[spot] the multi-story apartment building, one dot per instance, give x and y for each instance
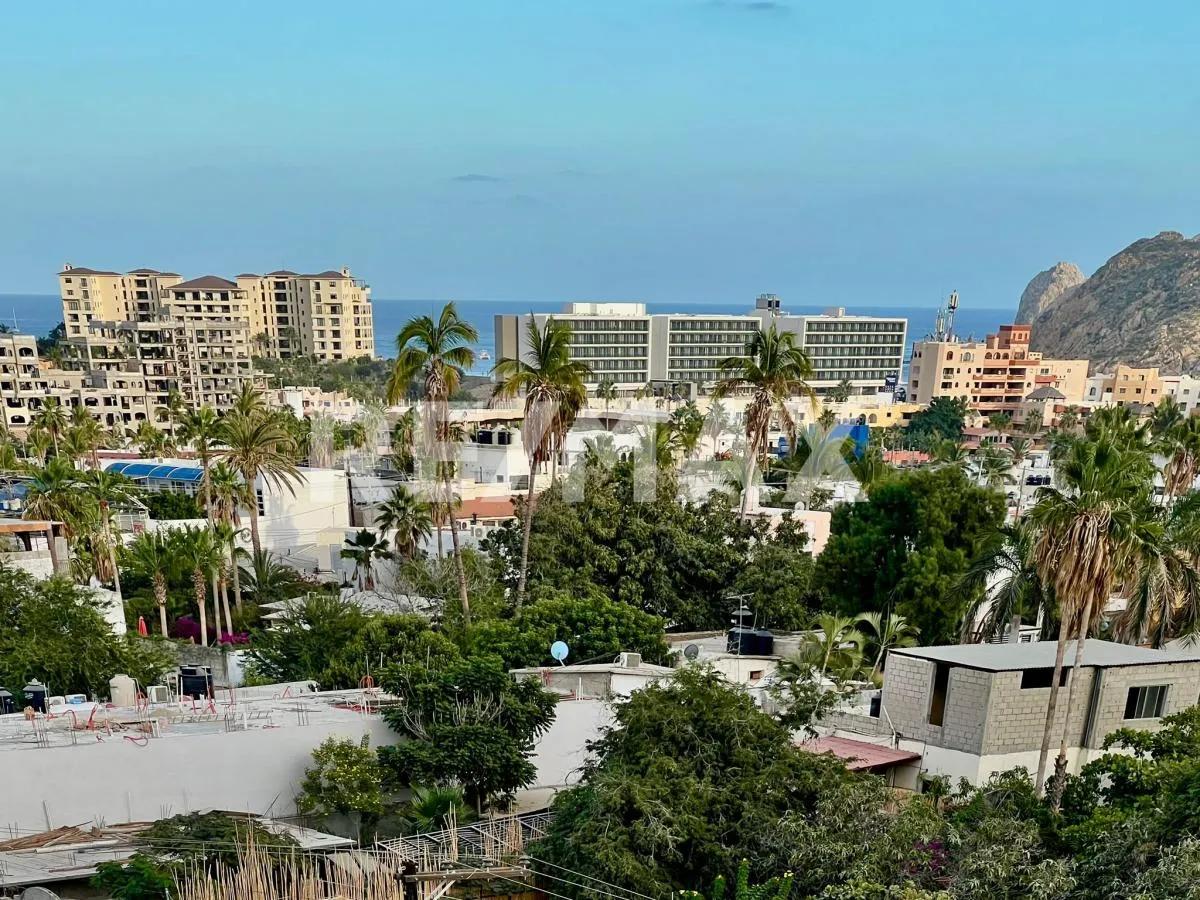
(199, 337)
(1184, 390)
(327, 315)
(623, 343)
(115, 399)
(993, 376)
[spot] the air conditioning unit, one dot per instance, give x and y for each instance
(158, 693)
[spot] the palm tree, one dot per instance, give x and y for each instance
(1091, 528)
(552, 383)
(408, 516)
(249, 402)
(773, 369)
(258, 447)
(153, 555)
(834, 647)
(1164, 592)
(37, 445)
(439, 352)
(403, 438)
(887, 634)
(151, 440)
(994, 468)
(267, 579)
(53, 495)
(199, 553)
(106, 488)
(52, 419)
(434, 808)
(606, 390)
(226, 535)
(599, 452)
(1167, 416)
(85, 437)
(1181, 444)
(1005, 586)
(364, 548)
(947, 452)
(175, 408)
(322, 437)
(203, 430)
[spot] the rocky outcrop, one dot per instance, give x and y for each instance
(1142, 307)
(1048, 288)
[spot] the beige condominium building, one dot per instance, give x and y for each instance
(996, 375)
(199, 337)
(115, 399)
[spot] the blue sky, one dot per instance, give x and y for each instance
(869, 153)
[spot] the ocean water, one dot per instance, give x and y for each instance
(39, 313)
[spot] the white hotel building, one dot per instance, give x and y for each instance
(623, 343)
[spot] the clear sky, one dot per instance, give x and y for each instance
(846, 152)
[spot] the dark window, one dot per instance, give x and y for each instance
(1146, 702)
(1042, 678)
(937, 703)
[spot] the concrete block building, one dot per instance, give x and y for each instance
(975, 709)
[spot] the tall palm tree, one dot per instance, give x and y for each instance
(606, 390)
(52, 494)
(993, 467)
(229, 495)
(439, 353)
(203, 430)
(322, 437)
(258, 447)
(774, 369)
(1091, 525)
(267, 579)
(52, 419)
(403, 438)
(552, 383)
(408, 516)
(153, 555)
(1005, 586)
(948, 452)
(1181, 444)
(1164, 591)
(105, 489)
(1167, 416)
(199, 553)
(226, 535)
(887, 634)
(37, 445)
(85, 437)
(364, 548)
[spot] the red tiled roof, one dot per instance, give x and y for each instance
(859, 755)
(487, 508)
(904, 457)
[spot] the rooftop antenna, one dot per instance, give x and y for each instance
(951, 308)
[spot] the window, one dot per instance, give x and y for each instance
(1146, 702)
(937, 702)
(1042, 678)
(756, 674)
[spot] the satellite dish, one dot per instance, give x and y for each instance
(691, 651)
(38, 893)
(559, 650)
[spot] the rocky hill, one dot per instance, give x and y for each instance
(1142, 307)
(1048, 288)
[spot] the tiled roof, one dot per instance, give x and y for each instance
(859, 755)
(486, 508)
(80, 270)
(205, 283)
(328, 274)
(282, 273)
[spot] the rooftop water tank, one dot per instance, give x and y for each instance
(35, 695)
(122, 690)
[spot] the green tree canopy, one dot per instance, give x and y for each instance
(907, 549)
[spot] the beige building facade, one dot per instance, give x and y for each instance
(993, 376)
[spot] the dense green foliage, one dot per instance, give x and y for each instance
(908, 548)
(168, 505)
(55, 631)
(676, 560)
(464, 721)
(345, 779)
(942, 419)
(695, 787)
(335, 644)
(594, 627)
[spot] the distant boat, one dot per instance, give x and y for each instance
(484, 355)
